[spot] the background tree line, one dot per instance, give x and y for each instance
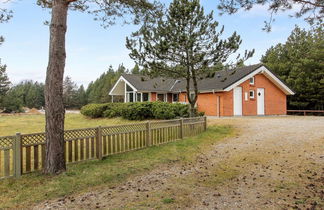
(300, 63)
(30, 94)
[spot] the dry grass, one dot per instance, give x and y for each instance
(34, 123)
(277, 168)
(11, 124)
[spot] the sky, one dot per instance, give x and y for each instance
(91, 49)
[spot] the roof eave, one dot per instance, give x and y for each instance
(262, 69)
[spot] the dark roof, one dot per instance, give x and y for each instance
(145, 83)
(219, 81)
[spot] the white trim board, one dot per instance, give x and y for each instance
(121, 78)
(269, 75)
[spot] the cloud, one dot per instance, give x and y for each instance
(262, 11)
(6, 4)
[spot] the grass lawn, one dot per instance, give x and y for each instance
(91, 175)
(11, 124)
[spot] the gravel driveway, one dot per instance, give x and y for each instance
(270, 163)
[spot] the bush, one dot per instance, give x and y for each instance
(163, 111)
(138, 111)
(181, 110)
(201, 114)
(115, 110)
(94, 110)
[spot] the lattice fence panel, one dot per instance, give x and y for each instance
(165, 123)
(6, 142)
(79, 134)
(6, 155)
(33, 139)
(123, 129)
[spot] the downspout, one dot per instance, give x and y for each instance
(218, 106)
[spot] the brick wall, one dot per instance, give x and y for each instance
(153, 96)
(274, 98)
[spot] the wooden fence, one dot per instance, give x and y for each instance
(318, 112)
(25, 153)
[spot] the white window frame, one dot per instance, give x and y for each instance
(141, 97)
(127, 92)
(253, 95)
(178, 97)
(246, 96)
(148, 97)
(164, 96)
(134, 96)
(251, 82)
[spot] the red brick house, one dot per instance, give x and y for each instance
(246, 91)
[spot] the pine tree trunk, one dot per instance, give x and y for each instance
(191, 101)
(55, 160)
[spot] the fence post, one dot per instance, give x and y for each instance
(99, 143)
(148, 134)
(17, 155)
(181, 128)
(205, 123)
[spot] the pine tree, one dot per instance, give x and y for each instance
(69, 93)
(29, 94)
(311, 10)
(34, 95)
(136, 69)
(97, 91)
(5, 16)
(185, 43)
(299, 62)
(81, 97)
(108, 12)
(4, 83)
(12, 102)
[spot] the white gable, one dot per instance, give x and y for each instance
(263, 70)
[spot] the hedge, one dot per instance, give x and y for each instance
(95, 110)
(137, 110)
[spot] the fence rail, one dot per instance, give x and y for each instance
(25, 153)
(306, 111)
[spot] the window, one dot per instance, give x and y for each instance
(160, 97)
(128, 88)
(138, 97)
(175, 97)
(246, 97)
(130, 97)
(145, 97)
(252, 81)
(252, 94)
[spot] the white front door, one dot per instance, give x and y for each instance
(237, 101)
(260, 101)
